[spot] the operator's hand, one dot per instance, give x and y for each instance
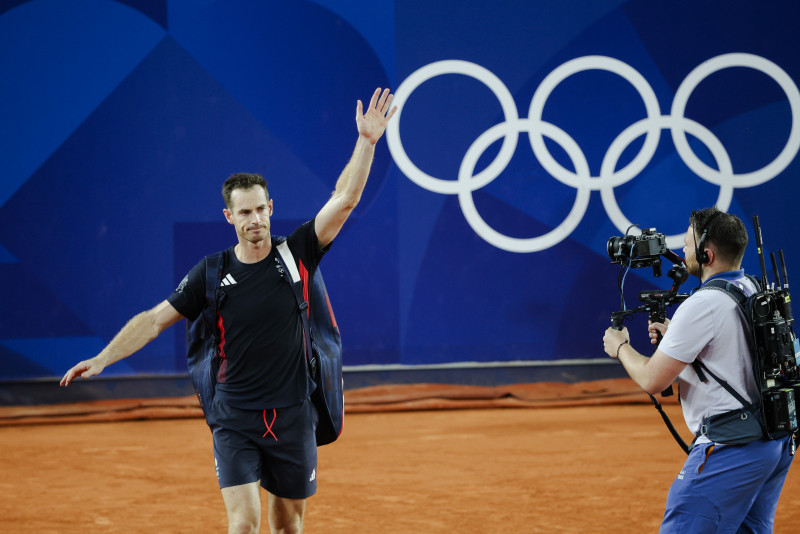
(656, 329)
(372, 124)
(84, 369)
(612, 340)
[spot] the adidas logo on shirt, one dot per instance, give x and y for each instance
(228, 280)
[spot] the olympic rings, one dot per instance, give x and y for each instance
(581, 178)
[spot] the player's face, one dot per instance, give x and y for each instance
(690, 252)
(249, 214)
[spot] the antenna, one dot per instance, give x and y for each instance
(786, 301)
(775, 270)
(783, 268)
(760, 246)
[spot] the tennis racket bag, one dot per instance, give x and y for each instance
(323, 344)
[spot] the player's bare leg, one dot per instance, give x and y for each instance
(243, 504)
(286, 515)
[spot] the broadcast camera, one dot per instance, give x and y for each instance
(638, 251)
(645, 250)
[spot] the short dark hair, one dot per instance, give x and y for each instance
(242, 180)
(725, 230)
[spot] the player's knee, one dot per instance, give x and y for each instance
(244, 522)
(243, 525)
(286, 515)
(290, 522)
(295, 526)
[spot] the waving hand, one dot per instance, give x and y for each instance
(372, 124)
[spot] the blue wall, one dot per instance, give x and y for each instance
(528, 134)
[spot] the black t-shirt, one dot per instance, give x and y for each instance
(262, 362)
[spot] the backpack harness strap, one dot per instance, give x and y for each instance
(286, 260)
(722, 383)
(202, 339)
(214, 297)
(739, 296)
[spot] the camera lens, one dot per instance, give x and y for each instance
(614, 247)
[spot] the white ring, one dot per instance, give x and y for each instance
(594, 63)
(467, 203)
(711, 66)
(636, 130)
(449, 187)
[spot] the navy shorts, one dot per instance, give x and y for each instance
(276, 446)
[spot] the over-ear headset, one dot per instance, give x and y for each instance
(700, 251)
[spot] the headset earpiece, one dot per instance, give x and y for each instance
(700, 252)
(702, 255)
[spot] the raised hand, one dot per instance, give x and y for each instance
(372, 124)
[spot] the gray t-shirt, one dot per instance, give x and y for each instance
(710, 326)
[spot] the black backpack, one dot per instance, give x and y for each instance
(774, 348)
(322, 341)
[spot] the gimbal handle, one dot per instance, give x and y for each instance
(656, 302)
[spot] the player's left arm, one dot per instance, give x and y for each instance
(138, 332)
(351, 182)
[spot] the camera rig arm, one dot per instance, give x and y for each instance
(655, 302)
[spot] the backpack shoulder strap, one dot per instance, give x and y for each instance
(213, 273)
(723, 383)
(740, 297)
(202, 338)
(286, 261)
(732, 290)
(215, 265)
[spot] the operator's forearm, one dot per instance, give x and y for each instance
(636, 366)
(138, 332)
(353, 179)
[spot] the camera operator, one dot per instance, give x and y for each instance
(721, 488)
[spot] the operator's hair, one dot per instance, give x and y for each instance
(726, 231)
(242, 180)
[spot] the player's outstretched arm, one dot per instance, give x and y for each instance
(137, 333)
(371, 125)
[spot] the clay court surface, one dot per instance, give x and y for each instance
(591, 457)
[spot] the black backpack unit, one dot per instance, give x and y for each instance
(322, 341)
(773, 344)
